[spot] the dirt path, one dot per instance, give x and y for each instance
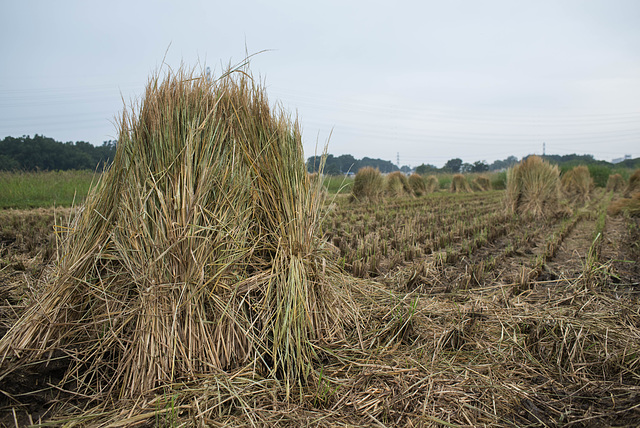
(621, 248)
(570, 259)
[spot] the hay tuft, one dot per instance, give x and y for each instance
(200, 250)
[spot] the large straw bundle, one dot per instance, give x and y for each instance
(532, 188)
(577, 184)
(198, 251)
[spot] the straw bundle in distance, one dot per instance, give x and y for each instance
(630, 204)
(634, 184)
(481, 184)
(432, 184)
(459, 184)
(615, 183)
(368, 184)
(417, 184)
(198, 251)
(533, 188)
(397, 185)
(577, 184)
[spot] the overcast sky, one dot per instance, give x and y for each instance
(423, 80)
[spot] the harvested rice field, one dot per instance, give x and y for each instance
(470, 316)
(208, 280)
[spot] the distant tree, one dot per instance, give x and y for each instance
(630, 163)
(499, 165)
(426, 169)
(106, 152)
(479, 166)
(572, 159)
(346, 163)
(384, 166)
(599, 174)
(466, 167)
(313, 163)
(332, 168)
(44, 153)
(8, 164)
(453, 165)
(405, 168)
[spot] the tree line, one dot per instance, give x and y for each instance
(40, 153)
(46, 154)
(335, 165)
(346, 164)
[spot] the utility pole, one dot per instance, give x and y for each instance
(544, 149)
(398, 159)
